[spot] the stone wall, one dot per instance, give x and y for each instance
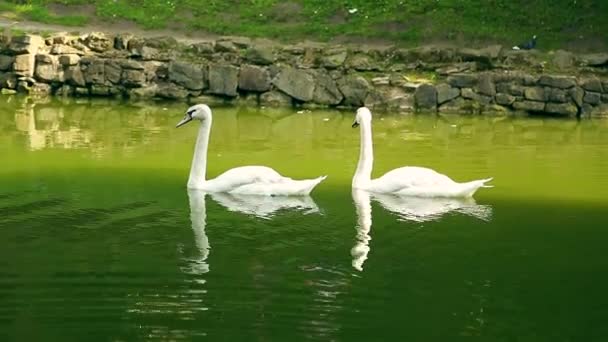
(235, 69)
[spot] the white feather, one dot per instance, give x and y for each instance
(244, 180)
(405, 181)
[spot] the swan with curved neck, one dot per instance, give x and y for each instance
(405, 181)
(245, 180)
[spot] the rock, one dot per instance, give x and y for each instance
(223, 79)
(189, 76)
(426, 97)
(210, 100)
(605, 86)
(133, 78)
(8, 80)
(485, 85)
(238, 41)
(491, 52)
(535, 94)
(6, 62)
(296, 83)
(225, 46)
(605, 98)
(556, 95)
(504, 99)
(103, 90)
(24, 65)
(530, 106)
(592, 84)
(592, 98)
(563, 59)
(566, 109)
(468, 93)
(134, 65)
(74, 76)
(112, 71)
(562, 82)
(70, 59)
(382, 80)
(97, 41)
(64, 90)
(460, 105)
(275, 98)
(171, 91)
(143, 92)
(59, 49)
(362, 62)
(260, 54)
(595, 59)
(6, 91)
(121, 41)
(48, 69)
(26, 45)
(576, 94)
(254, 78)
(354, 88)
(93, 71)
(81, 91)
(156, 71)
(161, 42)
(446, 93)
(205, 48)
(326, 90)
(334, 58)
(516, 90)
(391, 98)
(462, 80)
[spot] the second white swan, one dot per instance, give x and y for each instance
(405, 181)
(244, 180)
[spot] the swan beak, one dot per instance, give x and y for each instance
(184, 121)
(355, 124)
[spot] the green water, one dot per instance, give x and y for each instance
(99, 239)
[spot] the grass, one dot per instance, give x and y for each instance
(405, 22)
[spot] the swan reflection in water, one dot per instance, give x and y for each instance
(259, 206)
(413, 209)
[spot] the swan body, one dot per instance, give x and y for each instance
(404, 181)
(244, 180)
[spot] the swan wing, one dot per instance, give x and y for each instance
(281, 187)
(240, 176)
(410, 177)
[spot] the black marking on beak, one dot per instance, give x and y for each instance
(355, 124)
(185, 120)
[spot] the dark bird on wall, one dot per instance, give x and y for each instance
(529, 45)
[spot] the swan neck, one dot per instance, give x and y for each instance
(198, 169)
(363, 174)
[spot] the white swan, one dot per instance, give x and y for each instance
(244, 180)
(404, 181)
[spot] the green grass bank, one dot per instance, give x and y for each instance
(566, 24)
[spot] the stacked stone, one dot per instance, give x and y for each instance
(233, 69)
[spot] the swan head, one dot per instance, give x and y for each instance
(363, 116)
(200, 112)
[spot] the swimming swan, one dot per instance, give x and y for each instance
(404, 181)
(244, 180)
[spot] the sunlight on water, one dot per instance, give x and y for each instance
(99, 238)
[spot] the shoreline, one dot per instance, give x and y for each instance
(231, 70)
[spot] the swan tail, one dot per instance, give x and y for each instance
(305, 187)
(468, 189)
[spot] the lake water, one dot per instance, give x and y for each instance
(100, 240)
